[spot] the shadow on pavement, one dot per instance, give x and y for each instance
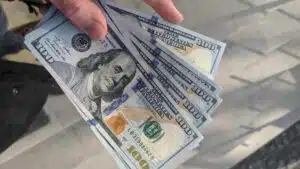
(254, 104)
(283, 152)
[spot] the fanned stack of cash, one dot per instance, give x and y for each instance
(146, 90)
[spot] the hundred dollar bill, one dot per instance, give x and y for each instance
(121, 163)
(138, 57)
(200, 51)
(53, 16)
(197, 86)
(133, 27)
(196, 112)
(105, 80)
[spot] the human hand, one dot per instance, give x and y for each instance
(86, 15)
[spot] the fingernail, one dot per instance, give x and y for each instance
(97, 31)
(176, 19)
(180, 17)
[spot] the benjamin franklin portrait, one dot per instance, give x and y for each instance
(99, 78)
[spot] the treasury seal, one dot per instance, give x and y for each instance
(81, 42)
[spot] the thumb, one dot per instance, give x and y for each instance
(85, 15)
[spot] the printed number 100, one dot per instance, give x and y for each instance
(137, 156)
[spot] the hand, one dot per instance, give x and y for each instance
(86, 15)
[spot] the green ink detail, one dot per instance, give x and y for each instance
(153, 130)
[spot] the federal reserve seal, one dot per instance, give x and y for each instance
(81, 42)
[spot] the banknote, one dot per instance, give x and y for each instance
(200, 51)
(197, 86)
(172, 88)
(132, 26)
(53, 16)
(105, 79)
(121, 163)
(196, 112)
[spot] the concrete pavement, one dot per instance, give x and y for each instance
(259, 72)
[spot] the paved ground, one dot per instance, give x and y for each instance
(259, 74)
(283, 152)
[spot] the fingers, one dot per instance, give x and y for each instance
(166, 9)
(85, 15)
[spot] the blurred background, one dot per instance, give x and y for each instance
(255, 127)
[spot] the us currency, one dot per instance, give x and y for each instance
(106, 81)
(202, 52)
(196, 111)
(138, 57)
(121, 163)
(196, 85)
(172, 88)
(53, 16)
(133, 26)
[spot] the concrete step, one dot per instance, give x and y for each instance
(223, 29)
(241, 14)
(259, 3)
(268, 33)
(292, 48)
(75, 147)
(199, 15)
(58, 114)
(260, 98)
(292, 9)
(268, 66)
